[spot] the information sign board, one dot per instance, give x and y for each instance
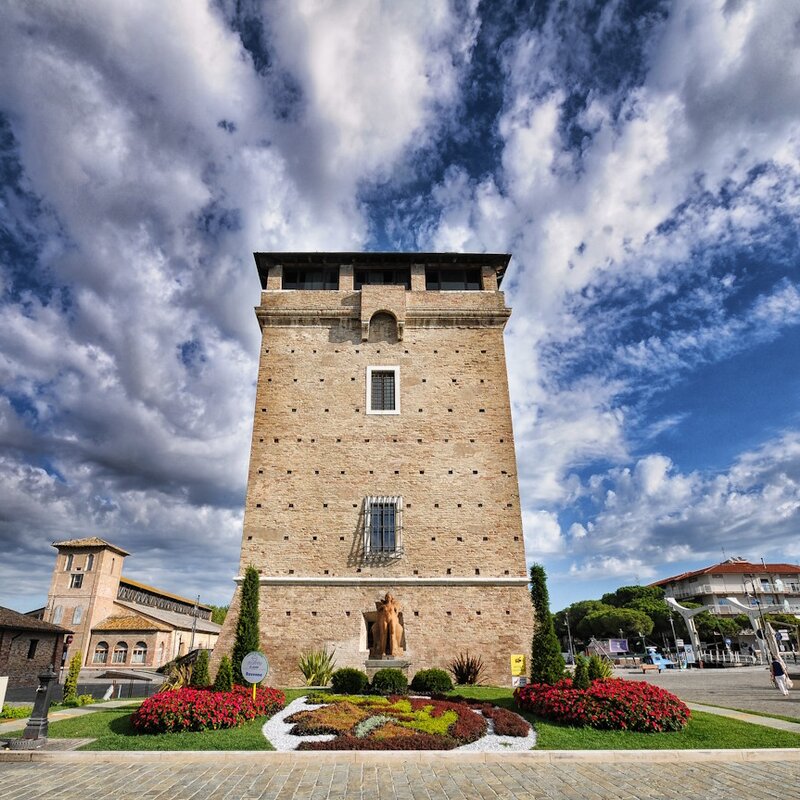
(255, 667)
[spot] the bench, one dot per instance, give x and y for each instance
(647, 667)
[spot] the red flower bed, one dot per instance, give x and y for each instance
(414, 741)
(611, 704)
(203, 709)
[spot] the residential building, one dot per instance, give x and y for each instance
(28, 646)
(748, 582)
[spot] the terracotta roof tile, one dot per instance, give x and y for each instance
(13, 619)
(90, 541)
(129, 622)
(733, 568)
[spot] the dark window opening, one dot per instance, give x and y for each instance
(32, 648)
(382, 391)
(311, 278)
(383, 526)
(452, 279)
(382, 276)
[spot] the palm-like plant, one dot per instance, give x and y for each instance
(317, 666)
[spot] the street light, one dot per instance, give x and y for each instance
(765, 638)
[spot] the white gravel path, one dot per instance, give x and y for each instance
(277, 731)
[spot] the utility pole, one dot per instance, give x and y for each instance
(194, 622)
(569, 638)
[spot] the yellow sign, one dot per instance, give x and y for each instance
(517, 664)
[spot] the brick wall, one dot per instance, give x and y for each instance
(14, 649)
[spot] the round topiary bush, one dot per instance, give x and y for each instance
(431, 681)
(349, 681)
(389, 681)
(612, 704)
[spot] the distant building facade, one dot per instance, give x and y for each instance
(28, 646)
(383, 462)
(118, 622)
(748, 582)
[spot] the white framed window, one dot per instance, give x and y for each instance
(383, 527)
(75, 580)
(89, 562)
(76, 615)
(139, 653)
(100, 653)
(120, 654)
(68, 562)
(383, 390)
(58, 615)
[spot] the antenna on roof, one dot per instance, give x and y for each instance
(724, 556)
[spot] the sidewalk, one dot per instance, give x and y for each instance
(65, 713)
(755, 719)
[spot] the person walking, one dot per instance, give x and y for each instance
(779, 676)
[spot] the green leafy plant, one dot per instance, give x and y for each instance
(317, 666)
(71, 681)
(599, 668)
(467, 670)
(247, 634)
(348, 680)
(547, 663)
(431, 681)
(580, 679)
(200, 677)
(389, 681)
(224, 680)
(15, 712)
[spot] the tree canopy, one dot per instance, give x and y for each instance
(608, 622)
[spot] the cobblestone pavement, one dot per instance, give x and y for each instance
(748, 688)
(398, 781)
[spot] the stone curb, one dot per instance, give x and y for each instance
(268, 758)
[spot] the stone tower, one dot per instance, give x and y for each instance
(383, 461)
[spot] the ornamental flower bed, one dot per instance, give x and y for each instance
(611, 704)
(204, 709)
(399, 723)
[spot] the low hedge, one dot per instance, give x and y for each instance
(389, 681)
(613, 704)
(203, 709)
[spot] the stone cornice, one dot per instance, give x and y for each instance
(415, 318)
(388, 580)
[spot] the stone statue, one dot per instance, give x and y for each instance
(387, 630)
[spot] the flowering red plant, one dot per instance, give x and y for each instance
(611, 704)
(203, 709)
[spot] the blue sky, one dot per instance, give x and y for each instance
(640, 160)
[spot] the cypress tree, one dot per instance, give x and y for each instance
(224, 679)
(200, 676)
(71, 681)
(547, 663)
(247, 636)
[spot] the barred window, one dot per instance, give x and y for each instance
(383, 526)
(383, 390)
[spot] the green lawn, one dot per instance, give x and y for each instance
(111, 729)
(702, 731)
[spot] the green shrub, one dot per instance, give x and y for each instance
(349, 681)
(247, 633)
(71, 681)
(599, 668)
(224, 679)
(389, 681)
(580, 679)
(317, 667)
(431, 681)
(467, 669)
(200, 676)
(15, 712)
(547, 663)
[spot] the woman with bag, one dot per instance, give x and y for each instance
(779, 676)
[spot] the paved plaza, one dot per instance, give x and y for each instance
(748, 688)
(395, 780)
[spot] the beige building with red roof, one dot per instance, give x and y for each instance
(748, 582)
(118, 622)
